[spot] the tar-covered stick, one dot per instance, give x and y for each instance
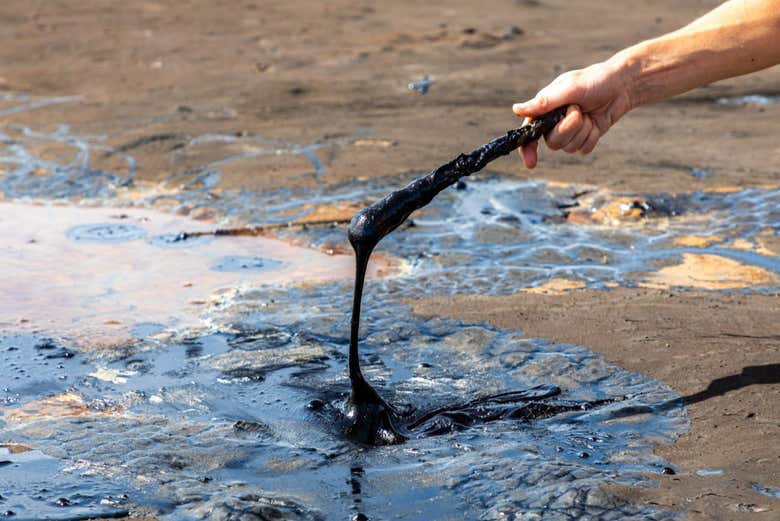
(371, 419)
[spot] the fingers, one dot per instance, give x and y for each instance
(566, 130)
(529, 154)
(565, 89)
(575, 133)
(579, 139)
(541, 104)
(590, 143)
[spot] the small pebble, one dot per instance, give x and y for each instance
(360, 517)
(583, 455)
(63, 502)
(669, 471)
(9, 513)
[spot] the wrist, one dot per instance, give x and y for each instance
(628, 66)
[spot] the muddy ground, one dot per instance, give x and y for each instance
(151, 75)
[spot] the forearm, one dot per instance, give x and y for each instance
(739, 37)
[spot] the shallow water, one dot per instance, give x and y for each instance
(496, 235)
(241, 418)
(751, 99)
(202, 424)
(767, 491)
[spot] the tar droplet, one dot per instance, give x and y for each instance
(583, 455)
(360, 517)
(9, 513)
(559, 449)
(315, 405)
(63, 502)
(669, 471)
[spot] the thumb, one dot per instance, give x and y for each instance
(549, 98)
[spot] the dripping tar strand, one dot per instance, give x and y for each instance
(371, 420)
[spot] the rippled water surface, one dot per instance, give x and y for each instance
(241, 419)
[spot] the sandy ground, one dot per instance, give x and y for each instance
(308, 72)
(304, 71)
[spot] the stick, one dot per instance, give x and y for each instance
(254, 231)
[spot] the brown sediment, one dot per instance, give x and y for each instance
(698, 241)
(556, 287)
(708, 271)
(769, 245)
(341, 212)
(57, 406)
(721, 350)
(15, 448)
(763, 245)
(621, 209)
(599, 206)
(724, 189)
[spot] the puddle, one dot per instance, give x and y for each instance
(84, 498)
(88, 274)
(767, 491)
(706, 473)
(105, 232)
(752, 99)
(248, 418)
(247, 264)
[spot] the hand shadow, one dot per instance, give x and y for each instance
(751, 375)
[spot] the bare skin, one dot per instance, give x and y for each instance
(736, 38)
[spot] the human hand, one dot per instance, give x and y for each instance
(597, 96)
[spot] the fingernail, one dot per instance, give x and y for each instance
(518, 107)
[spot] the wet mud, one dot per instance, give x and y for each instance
(248, 416)
(223, 395)
(239, 411)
